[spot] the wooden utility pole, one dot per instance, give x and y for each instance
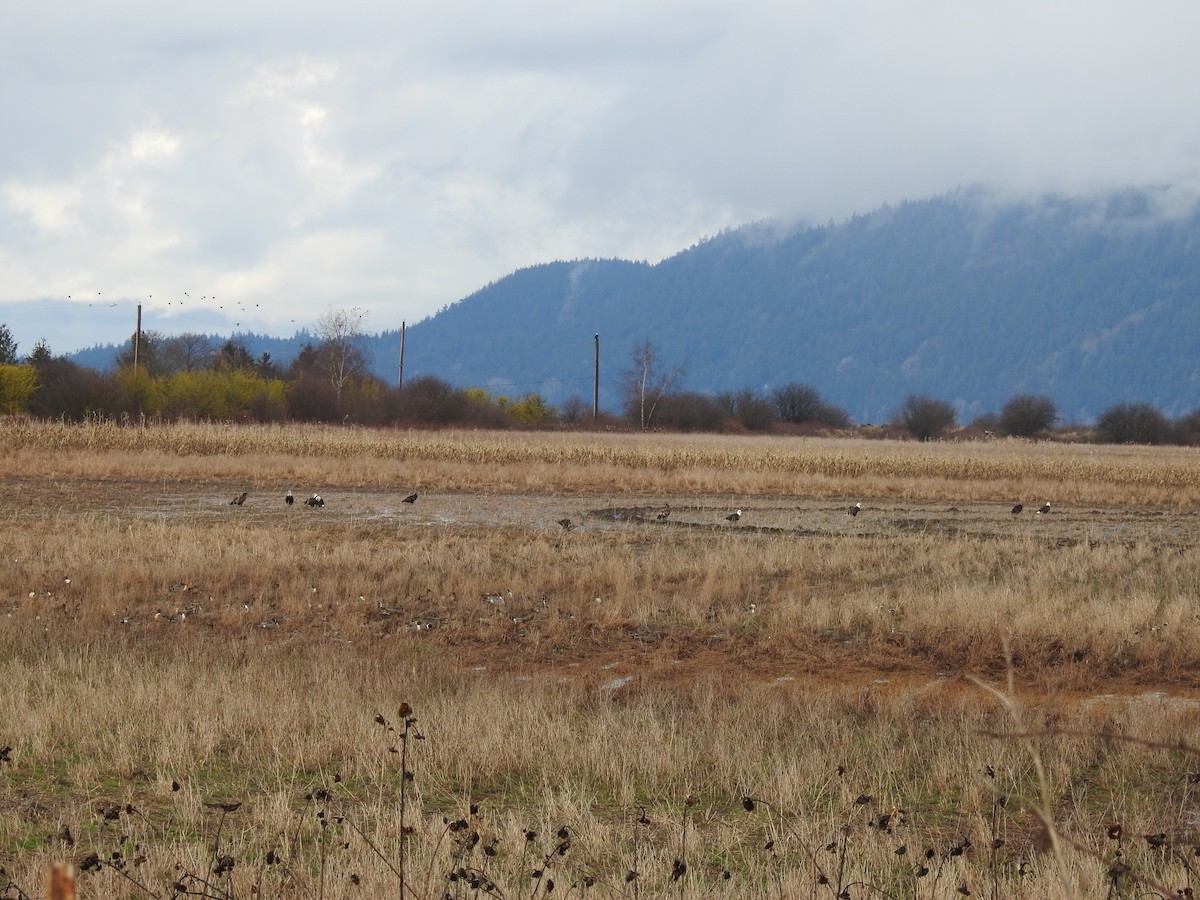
(596, 383)
(137, 337)
(400, 376)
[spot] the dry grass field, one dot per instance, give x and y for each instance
(459, 697)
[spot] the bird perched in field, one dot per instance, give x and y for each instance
(411, 498)
(1045, 508)
(314, 500)
(734, 516)
(664, 513)
(566, 524)
(224, 806)
(238, 501)
(288, 498)
(854, 510)
(1016, 510)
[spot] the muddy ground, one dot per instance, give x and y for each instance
(508, 637)
(1064, 525)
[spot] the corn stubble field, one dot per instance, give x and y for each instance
(461, 697)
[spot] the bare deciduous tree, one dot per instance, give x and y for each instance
(148, 355)
(187, 352)
(1133, 423)
(341, 356)
(1027, 414)
(926, 417)
(802, 403)
(645, 382)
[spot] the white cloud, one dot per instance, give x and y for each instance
(151, 145)
(51, 208)
(401, 156)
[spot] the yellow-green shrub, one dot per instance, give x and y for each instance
(17, 384)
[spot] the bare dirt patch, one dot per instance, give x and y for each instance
(512, 627)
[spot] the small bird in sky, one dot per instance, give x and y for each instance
(411, 498)
(238, 501)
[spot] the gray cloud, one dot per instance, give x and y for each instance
(302, 157)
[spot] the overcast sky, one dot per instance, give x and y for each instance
(287, 158)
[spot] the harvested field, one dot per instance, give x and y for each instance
(701, 704)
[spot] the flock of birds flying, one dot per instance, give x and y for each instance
(235, 307)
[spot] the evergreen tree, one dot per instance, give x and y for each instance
(8, 346)
(40, 355)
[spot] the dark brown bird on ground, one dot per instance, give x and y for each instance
(224, 806)
(566, 524)
(734, 516)
(1017, 509)
(664, 513)
(238, 501)
(854, 510)
(411, 498)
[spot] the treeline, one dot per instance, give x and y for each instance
(799, 408)
(187, 377)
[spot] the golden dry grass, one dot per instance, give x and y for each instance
(153, 637)
(615, 463)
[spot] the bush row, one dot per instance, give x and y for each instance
(61, 389)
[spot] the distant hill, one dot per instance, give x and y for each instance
(1090, 302)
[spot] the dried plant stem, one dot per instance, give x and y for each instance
(1043, 808)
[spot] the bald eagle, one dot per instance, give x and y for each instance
(1017, 509)
(1045, 508)
(664, 512)
(288, 498)
(854, 510)
(315, 500)
(734, 516)
(238, 501)
(411, 498)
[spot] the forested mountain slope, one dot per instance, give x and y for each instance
(1088, 302)
(972, 301)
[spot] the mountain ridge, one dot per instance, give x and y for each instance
(963, 297)
(1088, 302)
